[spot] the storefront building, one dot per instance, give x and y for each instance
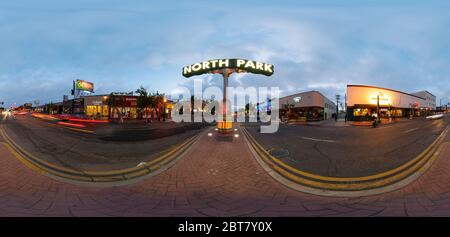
(104, 107)
(53, 108)
(363, 102)
(96, 106)
(430, 99)
(73, 106)
(122, 106)
(307, 106)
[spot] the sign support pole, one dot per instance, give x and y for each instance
(226, 67)
(225, 85)
(224, 125)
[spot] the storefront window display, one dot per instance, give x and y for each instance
(123, 107)
(97, 111)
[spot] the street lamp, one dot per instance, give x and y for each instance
(337, 106)
(378, 106)
(164, 109)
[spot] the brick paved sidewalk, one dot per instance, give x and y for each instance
(213, 179)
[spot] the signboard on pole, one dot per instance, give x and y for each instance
(237, 65)
(226, 67)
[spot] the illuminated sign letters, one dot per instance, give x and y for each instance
(84, 85)
(239, 65)
(297, 99)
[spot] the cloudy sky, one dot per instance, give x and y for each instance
(314, 45)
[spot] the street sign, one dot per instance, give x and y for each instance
(237, 65)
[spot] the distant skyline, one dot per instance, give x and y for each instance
(314, 45)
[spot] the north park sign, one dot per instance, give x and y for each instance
(238, 65)
(226, 67)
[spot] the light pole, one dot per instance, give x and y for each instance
(164, 109)
(345, 108)
(378, 106)
(225, 85)
(226, 124)
(337, 107)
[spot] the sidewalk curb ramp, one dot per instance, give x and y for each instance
(347, 187)
(85, 177)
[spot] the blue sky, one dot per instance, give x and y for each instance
(314, 45)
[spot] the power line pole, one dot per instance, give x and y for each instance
(337, 106)
(345, 109)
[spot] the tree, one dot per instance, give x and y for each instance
(249, 108)
(142, 101)
(158, 104)
(288, 110)
(151, 105)
(192, 104)
(110, 102)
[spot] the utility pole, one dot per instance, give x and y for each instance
(337, 106)
(378, 106)
(345, 108)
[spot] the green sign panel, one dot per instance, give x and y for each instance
(84, 85)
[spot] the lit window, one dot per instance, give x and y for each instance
(360, 112)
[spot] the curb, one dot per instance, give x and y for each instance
(346, 187)
(96, 177)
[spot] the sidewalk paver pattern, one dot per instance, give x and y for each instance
(214, 178)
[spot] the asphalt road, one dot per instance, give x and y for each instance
(350, 151)
(110, 148)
